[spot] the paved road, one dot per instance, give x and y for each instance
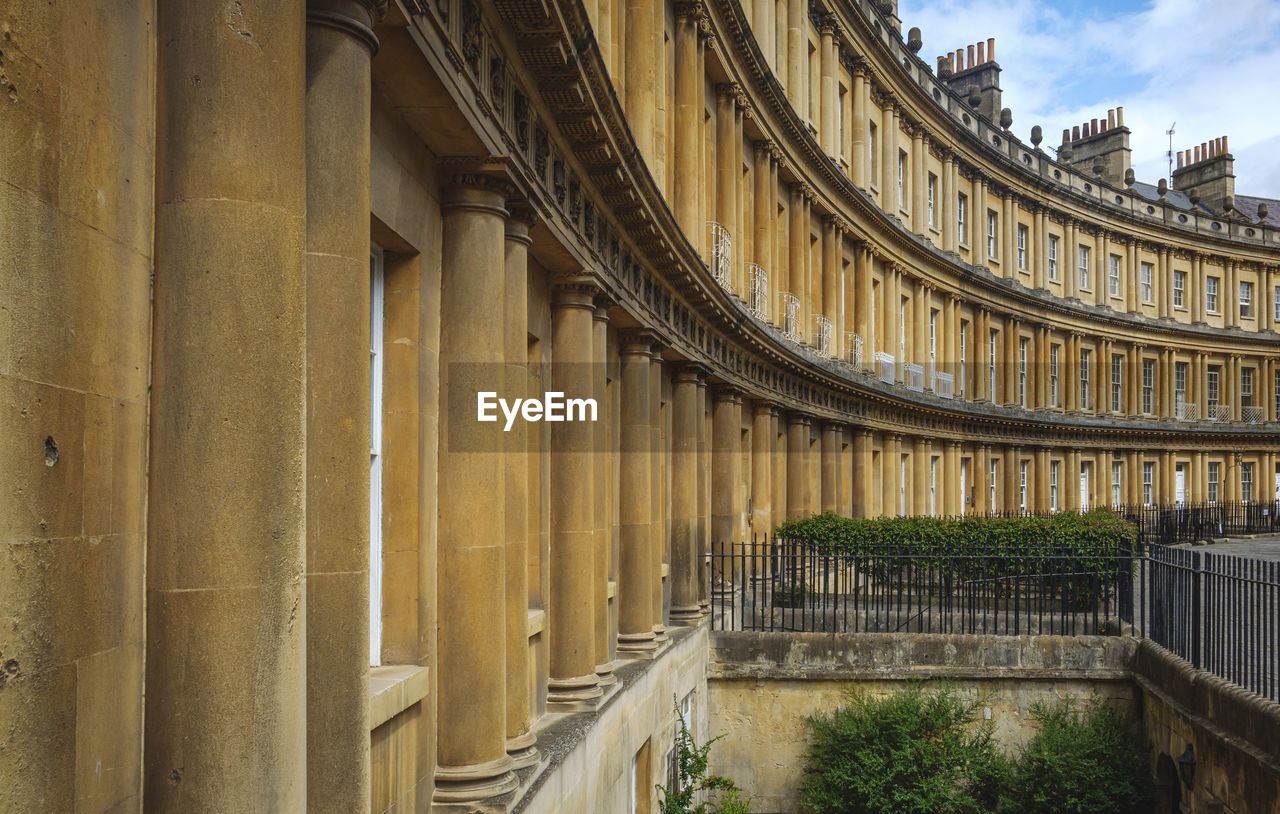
(1264, 548)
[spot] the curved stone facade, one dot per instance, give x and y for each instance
(797, 270)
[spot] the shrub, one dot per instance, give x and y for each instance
(908, 753)
(1090, 761)
(692, 790)
(1075, 554)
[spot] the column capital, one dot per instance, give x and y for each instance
(603, 303)
(798, 418)
(691, 373)
(759, 406)
(690, 9)
(353, 17)
(521, 217)
(727, 393)
(636, 343)
(577, 292)
(474, 188)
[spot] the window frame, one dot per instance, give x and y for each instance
(993, 232)
(1022, 234)
(1211, 295)
(1146, 282)
(1053, 258)
(1082, 268)
(1113, 275)
(1180, 289)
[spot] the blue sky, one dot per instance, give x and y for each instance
(1211, 67)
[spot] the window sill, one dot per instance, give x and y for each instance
(393, 689)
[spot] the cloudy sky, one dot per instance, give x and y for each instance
(1211, 67)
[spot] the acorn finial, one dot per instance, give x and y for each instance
(1006, 118)
(1262, 211)
(1129, 177)
(1162, 188)
(975, 96)
(914, 42)
(1037, 136)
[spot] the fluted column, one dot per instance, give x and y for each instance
(602, 470)
(761, 468)
(685, 554)
(515, 341)
(658, 528)
(471, 725)
(687, 152)
(797, 466)
(226, 531)
(340, 42)
(572, 607)
(636, 636)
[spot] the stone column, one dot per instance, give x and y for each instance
(761, 468)
(636, 637)
(830, 466)
(762, 210)
(515, 316)
(859, 134)
(726, 168)
(863, 280)
(657, 478)
(888, 159)
(761, 28)
(602, 488)
(725, 423)
(778, 467)
(471, 725)
(1071, 481)
(919, 215)
(797, 460)
(685, 553)
(978, 222)
(640, 70)
(687, 152)
(863, 479)
(890, 483)
(572, 607)
(831, 269)
(1012, 478)
(797, 251)
(921, 454)
(982, 483)
(946, 206)
(704, 493)
(952, 489)
(340, 42)
(797, 55)
(226, 527)
(827, 93)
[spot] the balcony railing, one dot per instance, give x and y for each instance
(884, 367)
(721, 255)
(790, 317)
(853, 350)
(944, 385)
(758, 292)
(1219, 412)
(1187, 412)
(821, 335)
(913, 377)
(1252, 414)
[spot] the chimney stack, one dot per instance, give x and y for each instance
(1206, 171)
(1101, 142)
(975, 65)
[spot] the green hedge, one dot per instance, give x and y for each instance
(1065, 551)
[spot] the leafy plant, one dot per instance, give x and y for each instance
(692, 790)
(1081, 761)
(907, 753)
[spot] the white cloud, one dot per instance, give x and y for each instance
(1209, 67)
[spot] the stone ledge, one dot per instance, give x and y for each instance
(852, 656)
(393, 689)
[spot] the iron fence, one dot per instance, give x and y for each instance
(1190, 522)
(1220, 612)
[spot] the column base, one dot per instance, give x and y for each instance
(604, 674)
(660, 633)
(575, 694)
(474, 783)
(523, 750)
(632, 646)
(686, 615)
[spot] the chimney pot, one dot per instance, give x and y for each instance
(991, 48)
(1075, 133)
(1179, 159)
(1066, 135)
(982, 53)
(1197, 154)
(1111, 119)
(971, 63)
(1204, 150)
(1120, 116)
(1224, 145)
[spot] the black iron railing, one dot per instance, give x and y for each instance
(1190, 522)
(1220, 612)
